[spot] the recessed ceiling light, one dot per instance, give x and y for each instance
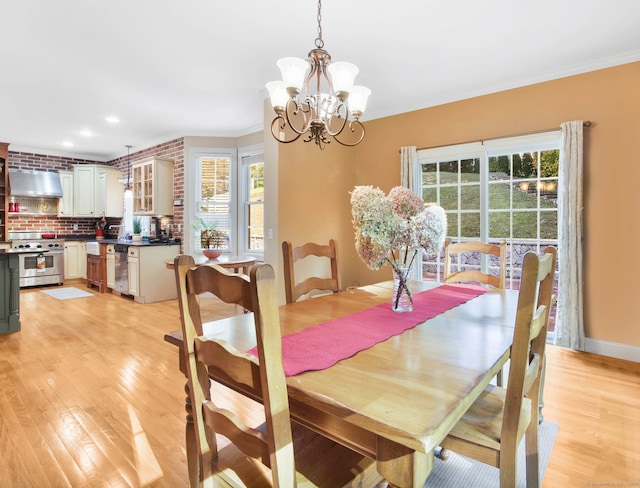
(112, 119)
(86, 133)
(67, 144)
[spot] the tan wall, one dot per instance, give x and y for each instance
(314, 185)
(313, 192)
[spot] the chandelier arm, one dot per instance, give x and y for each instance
(352, 128)
(294, 108)
(337, 132)
(318, 135)
(318, 59)
(277, 125)
(344, 118)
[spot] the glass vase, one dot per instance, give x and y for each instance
(402, 300)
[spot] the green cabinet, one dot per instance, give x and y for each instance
(4, 190)
(9, 293)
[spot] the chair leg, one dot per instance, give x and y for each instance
(541, 399)
(193, 458)
(531, 444)
(499, 378)
(508, 464)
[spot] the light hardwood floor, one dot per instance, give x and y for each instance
(90, 395)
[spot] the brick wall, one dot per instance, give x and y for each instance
(64, 226)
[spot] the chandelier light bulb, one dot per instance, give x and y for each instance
(293, 71)
(343, 75)
(358, 100)
(277, 94)
(326, 105)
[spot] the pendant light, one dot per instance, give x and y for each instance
(128, 191)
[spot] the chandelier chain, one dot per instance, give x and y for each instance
(319, 41)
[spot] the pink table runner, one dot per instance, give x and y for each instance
(323, 345)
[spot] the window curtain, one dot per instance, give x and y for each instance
(408, 164)
(408, 160)
(569, 330)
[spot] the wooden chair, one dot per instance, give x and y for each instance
(498, 250)
(275, 443)
(494, 425)
(292, 254)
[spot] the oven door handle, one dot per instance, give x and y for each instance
(43, 253)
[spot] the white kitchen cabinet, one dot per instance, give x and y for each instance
(133, 268)
(153, 187)
(111, 266)
(66, 204)
(82, 259)
(109, 192)
(149, 278)
(75, 259)
(84, 176)
(97, 191)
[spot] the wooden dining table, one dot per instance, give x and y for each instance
(239, 264)
(397, 400)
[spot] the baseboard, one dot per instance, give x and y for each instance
(613, 349)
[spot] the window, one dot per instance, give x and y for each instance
(231, 195)
(251, 223)
(499, 189)
(213, 195)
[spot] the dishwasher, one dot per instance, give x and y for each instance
(122, 270)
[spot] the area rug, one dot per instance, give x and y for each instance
(458, 470)
(67, 293)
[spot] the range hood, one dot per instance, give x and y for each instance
(34, 183)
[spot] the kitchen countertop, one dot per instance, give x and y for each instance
(142, 243)
(129, 242)
(77, 237)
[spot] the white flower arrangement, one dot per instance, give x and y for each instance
(391, 229)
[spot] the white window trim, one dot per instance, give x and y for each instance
(242, 223)
(194, 180)
(483, 150)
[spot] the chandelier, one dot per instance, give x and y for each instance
(320, 110)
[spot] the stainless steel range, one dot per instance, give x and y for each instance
(43, 266)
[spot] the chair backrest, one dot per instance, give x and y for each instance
(292, 254)
(261, 377)
(529, 339)
(498, 250)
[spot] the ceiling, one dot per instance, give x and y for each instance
(171, 68)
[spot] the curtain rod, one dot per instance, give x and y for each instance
(586, 123)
